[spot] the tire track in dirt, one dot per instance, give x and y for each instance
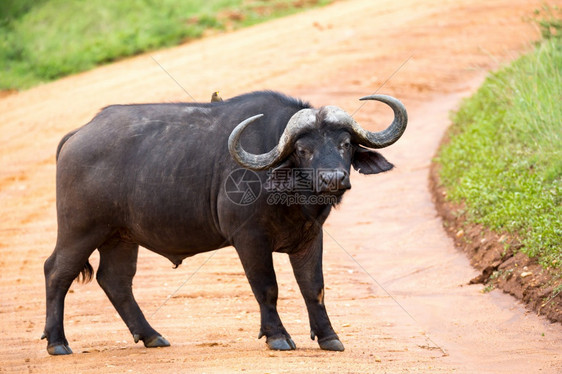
(387, 223)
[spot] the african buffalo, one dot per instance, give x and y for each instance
(186, 178)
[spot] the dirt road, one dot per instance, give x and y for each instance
(396, 286)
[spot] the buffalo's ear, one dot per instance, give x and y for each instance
(366, 161)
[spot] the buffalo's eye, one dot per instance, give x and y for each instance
(303, 152)
(346, 145)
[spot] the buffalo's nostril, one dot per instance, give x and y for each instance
(333, 180)
(344, 182)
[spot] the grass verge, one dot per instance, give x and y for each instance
(504, 157)
(42, 40)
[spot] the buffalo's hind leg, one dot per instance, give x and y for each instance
(69, 258)
(118, 265)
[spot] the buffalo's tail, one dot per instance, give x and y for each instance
(86, 274)
(63, 140)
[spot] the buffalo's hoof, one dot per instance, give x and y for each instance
(332, 345)
(59, 349)
(152, 342)
(281, 344)
(155, 342)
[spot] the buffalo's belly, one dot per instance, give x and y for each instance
(170, 213)
(178, 231)
(174, 240)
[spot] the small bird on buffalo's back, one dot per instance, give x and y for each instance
(215, 98)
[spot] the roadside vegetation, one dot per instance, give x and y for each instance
(503, 161)
(42, 40)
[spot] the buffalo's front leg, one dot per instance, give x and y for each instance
(118, 264)
(257, 261)
(307, 267)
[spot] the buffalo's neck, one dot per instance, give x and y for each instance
(316, 214)
(300, 233)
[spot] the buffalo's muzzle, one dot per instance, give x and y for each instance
(333, 181)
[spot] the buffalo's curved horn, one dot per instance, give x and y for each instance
(304, 118)
(385, 137)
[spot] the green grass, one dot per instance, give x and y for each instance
(42, 40)
(504, 158)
